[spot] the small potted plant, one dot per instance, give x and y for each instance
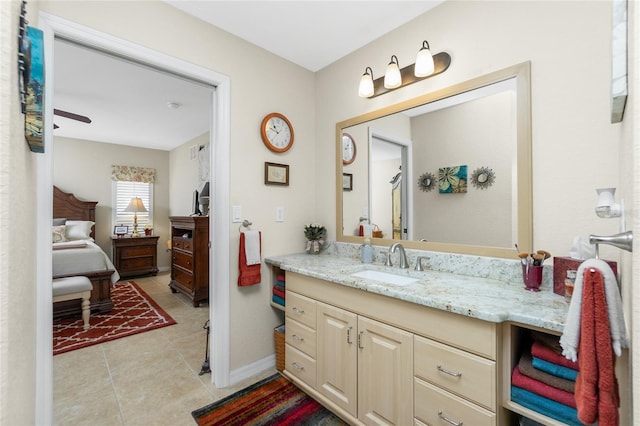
(315, 237)
(148, 229)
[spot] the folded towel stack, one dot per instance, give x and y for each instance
(279, 292)
(544, 380)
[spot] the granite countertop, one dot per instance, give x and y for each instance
(483, 297)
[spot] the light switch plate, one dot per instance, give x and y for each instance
(279, 214)
(236, 214)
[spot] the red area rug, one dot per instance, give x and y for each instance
(134, 312)
(271, 401)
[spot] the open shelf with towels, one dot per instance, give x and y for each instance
(518, 346)
(277, 295)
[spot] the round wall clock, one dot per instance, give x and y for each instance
(348, 149)
(277, 132)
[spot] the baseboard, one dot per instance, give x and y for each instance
(253, 369)
(164, 268)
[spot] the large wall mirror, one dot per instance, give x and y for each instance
(446, 171)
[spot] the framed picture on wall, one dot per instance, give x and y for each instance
(120, 230)
(276, 174)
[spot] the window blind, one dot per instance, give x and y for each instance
(123, 192)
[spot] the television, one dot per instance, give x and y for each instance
(196, 204)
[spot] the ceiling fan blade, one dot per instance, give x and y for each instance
(71, 115)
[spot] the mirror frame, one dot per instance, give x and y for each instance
(523, 191)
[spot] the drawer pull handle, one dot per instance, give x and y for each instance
(449, 372)
(349, 341)
(448, 420)
(298, 310)
(297, 338)
(360, 340)
(297, 366)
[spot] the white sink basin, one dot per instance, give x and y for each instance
(385, 277)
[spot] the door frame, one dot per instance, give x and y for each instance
(219, 344)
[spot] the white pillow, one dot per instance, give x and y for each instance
(79, 229)
(58, 234)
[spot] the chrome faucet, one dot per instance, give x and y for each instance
(404, 264)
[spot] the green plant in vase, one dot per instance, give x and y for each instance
(315, 235)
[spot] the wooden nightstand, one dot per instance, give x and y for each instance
(135, 256)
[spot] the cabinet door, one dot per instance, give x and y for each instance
(337, 356)
(385, 374)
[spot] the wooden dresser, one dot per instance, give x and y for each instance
(190, 257)
(135, 256)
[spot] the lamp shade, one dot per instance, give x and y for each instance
(365, 90)
(424, 61)
(392, 77)
(135, 206)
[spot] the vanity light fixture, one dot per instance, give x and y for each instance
(395, 77)
(607, 206)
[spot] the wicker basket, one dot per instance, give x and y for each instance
(278, 334)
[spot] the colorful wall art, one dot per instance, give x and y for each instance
(452, 180)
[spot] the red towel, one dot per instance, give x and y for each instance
(279, 293)
(597, 397)
(249, 274)
(544, 352)
(563, 397)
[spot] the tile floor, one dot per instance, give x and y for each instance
(146, 379)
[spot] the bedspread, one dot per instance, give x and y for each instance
(70, 259)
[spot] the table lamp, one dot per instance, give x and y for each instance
(135, 206)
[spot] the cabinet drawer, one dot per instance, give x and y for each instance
(301, 309)
(301, 337)
(185, 244)
(183, 260)
(184, 278)
(433, 405)
(460, 372)
(300, 365)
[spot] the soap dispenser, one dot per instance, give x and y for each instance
(366, 251)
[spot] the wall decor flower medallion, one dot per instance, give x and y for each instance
(426, 181)
(483, 177)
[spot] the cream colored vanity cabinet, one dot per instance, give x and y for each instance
(365, 366)
(380, 360)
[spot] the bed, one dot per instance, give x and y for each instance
(75, 252)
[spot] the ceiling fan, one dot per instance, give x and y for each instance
(70, 115)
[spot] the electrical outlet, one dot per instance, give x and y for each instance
(279, 214)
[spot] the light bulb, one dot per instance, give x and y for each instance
(424, 61)
(365, 90)
(392, 77)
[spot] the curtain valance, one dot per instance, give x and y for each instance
(133, 174)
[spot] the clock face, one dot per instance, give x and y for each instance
(348, 149)
(277, 132)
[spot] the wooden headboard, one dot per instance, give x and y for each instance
(68, 206)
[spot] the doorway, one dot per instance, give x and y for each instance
(219, 175)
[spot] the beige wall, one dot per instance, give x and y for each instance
(185, 176)
(74, 158)
(18, 234)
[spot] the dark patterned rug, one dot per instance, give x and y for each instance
(272, 401)
(134, 311)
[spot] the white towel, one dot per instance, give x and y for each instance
(252, 247)
(570, 339)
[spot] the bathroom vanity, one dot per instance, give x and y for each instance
(432, 347)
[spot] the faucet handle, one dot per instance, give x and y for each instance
(419, 266)
(388, 261)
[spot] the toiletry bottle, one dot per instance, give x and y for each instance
(366, 251)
